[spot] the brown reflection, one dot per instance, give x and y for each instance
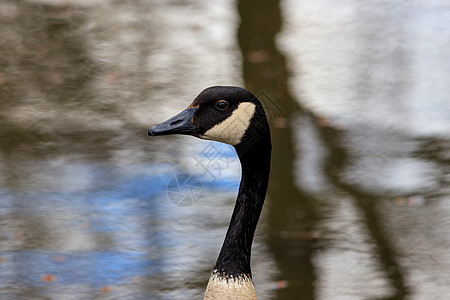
(49, 102)
(47, 72)
(291, 212)
(292, 215)
(50, 57)
(339, 158)
(385, 250)
(436, 150)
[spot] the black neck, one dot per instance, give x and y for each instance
(234, 257)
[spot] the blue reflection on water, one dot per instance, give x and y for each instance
(95, 268)
(127, 209)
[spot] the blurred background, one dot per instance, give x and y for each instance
(358, 97)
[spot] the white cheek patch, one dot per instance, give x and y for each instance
(232, 129)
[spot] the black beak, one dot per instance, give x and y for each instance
(179, 124)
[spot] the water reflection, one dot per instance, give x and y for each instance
(358, 201)
(369, 152)
(291, 211)
(84, 208)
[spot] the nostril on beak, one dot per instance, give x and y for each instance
(175, 122)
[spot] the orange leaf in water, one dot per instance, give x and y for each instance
(323, 122)
(258, 56)
(281, 284)
(48, 278)
(58, 258)
(17, 235)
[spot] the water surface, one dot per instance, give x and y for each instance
(357, 97)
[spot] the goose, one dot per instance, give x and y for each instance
(234, 116)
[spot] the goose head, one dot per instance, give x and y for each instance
(226, 114)
(234, 116)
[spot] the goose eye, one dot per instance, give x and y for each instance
(221, 104)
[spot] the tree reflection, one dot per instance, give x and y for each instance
(292, 215)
